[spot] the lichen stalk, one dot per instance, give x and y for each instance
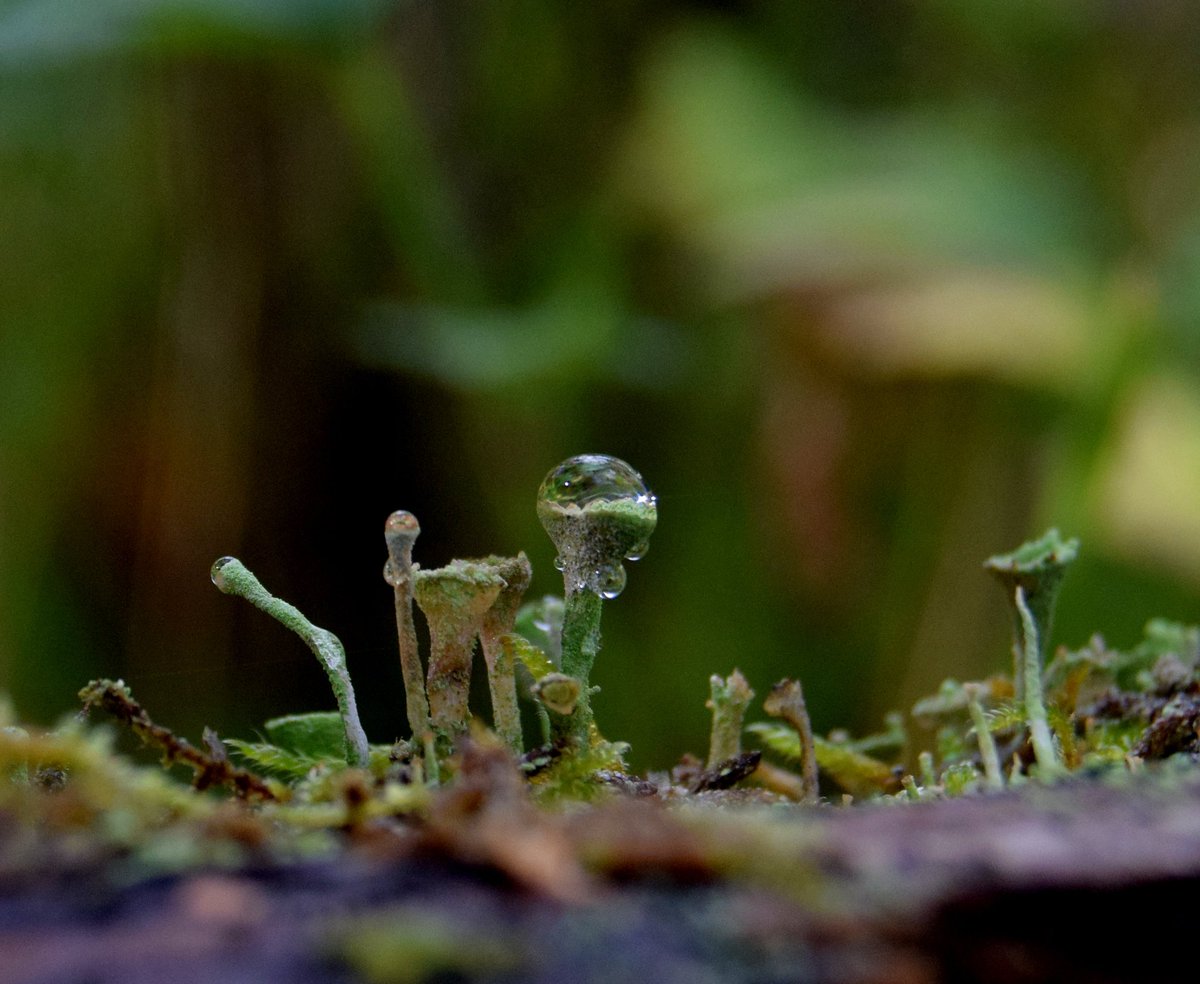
(993, 776)
(926, 770)
(401, 532)
(497, 623)
(728, 701)
(591, 542)
(1037, 567)
(599, 513)
(454, 600)
(1035, 706)
(786, 701)
(580, 645)
(231, 576)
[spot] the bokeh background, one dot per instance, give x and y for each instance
(867, 290)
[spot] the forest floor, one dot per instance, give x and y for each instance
(1086, 880)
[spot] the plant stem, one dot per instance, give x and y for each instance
(786, 701)
(401, 532)
(925, 767)
(210, 768)
(454, 599)
(1035, 707)
(231, 576)
(580, 644)
(497, 623)
(983, 734)
(728, 702)
(1037, 567)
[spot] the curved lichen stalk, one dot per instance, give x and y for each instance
(231, 576)
(599, 513)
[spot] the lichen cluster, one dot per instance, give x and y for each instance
(1094, 711)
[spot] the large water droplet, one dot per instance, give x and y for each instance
(590, 478)
(598, 511)
(610, 581)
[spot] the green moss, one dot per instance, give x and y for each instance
(409, 946)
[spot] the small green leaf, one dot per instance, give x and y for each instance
(318, 735)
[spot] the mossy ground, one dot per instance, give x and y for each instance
(976, 859)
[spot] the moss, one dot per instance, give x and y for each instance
(410, 946)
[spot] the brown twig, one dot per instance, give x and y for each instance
(116, 699)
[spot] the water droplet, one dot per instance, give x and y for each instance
(597, 510)
(389, 573)
(590, 478)
(639, 551)
(215, 574)
(610, 581)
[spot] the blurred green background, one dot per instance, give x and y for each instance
(867, 290)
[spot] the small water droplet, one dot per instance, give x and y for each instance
(610, 581)
(215, 574)
(389, 573)
(639, 551)
(559, 564)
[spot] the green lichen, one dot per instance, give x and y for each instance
(400, 533)
(1037, 568)
(314, 781)
(231, 576)
(598, 513)
(498, 622)
(454, 600)
(728, 700)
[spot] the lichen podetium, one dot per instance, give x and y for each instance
(454, 599)
(400, 532)
(1037, 568)
(1031, 576)
(497, 623)
(231, 576)
(599, 513)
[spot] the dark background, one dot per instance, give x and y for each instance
(866, 290)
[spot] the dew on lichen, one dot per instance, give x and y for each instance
(215, 575)
(598, 512)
